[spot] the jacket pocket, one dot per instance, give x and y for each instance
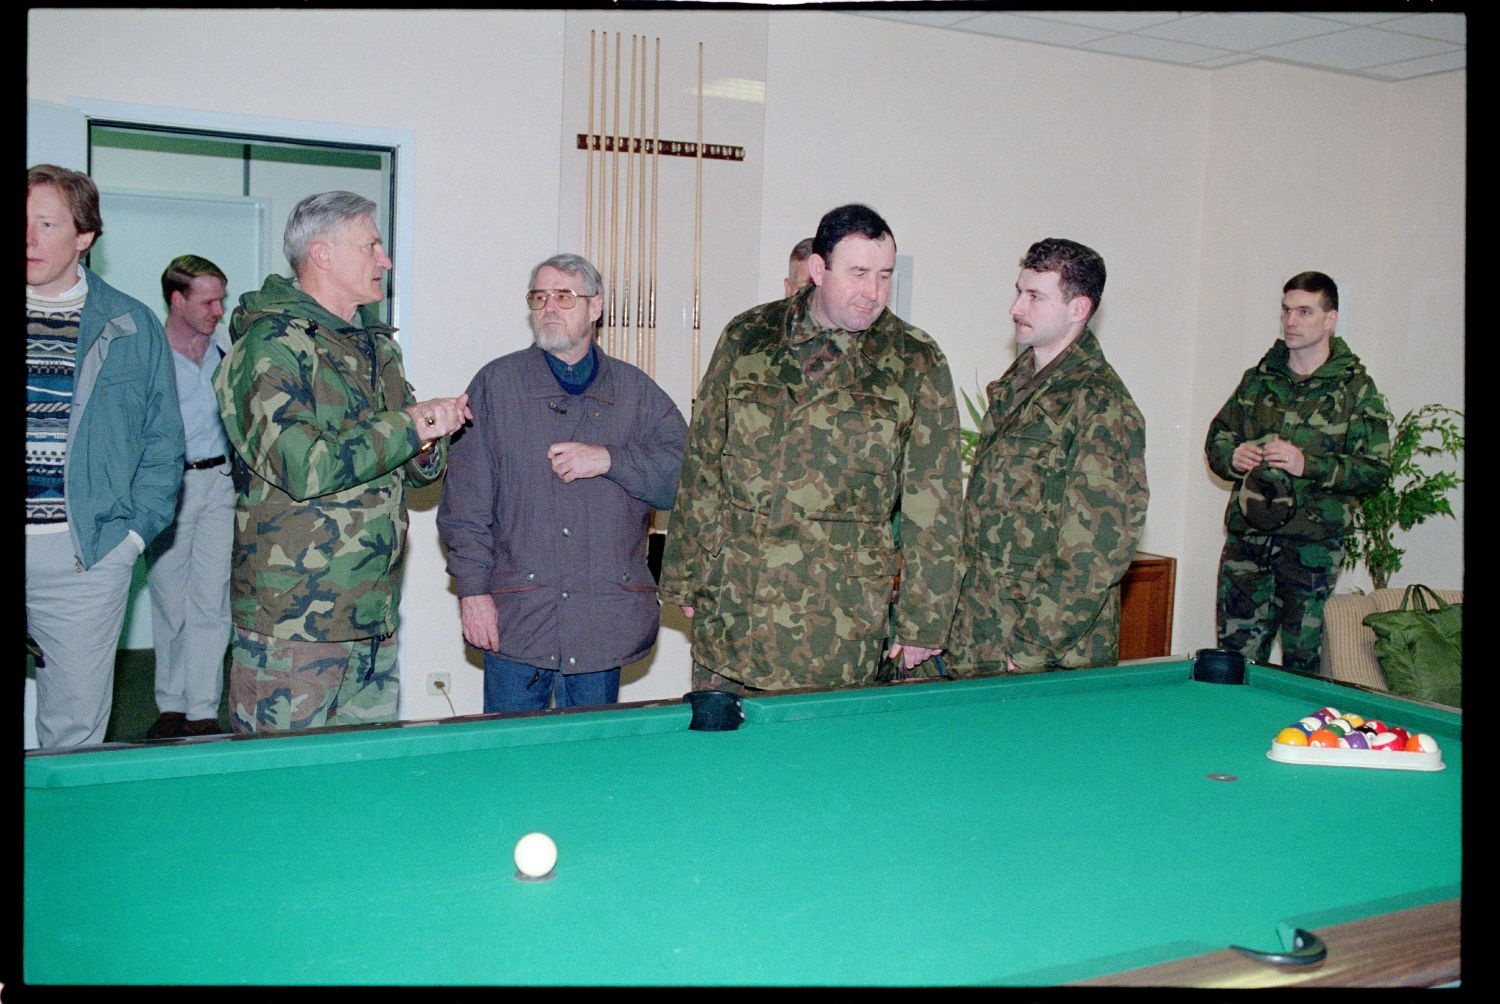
(862, 431)
(864, 592)
(1013, 502)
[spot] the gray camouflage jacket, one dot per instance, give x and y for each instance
(782, 536)
(1055, 507)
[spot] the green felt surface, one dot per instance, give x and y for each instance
(1030, 830)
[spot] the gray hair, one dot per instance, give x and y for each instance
(316, 217)
(574, 265)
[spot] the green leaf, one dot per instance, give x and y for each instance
(1410, 494)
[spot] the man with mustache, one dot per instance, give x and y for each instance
(1057, 497)
(548, 501)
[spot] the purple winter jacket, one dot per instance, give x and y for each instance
(565, 563)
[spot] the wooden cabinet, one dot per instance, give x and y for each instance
(1146, 600)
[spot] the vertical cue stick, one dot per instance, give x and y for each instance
(640, 267)
(614, 201)
(629, 206)
(588, 153)
(655, 171)
(698, 230)
(599, 262)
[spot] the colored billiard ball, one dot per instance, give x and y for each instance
(1355, 721)
(1401, 736)
(1327, 714)
(1384, 741)
(1421, 742)
(536, 855)
(1325, 738)
(1311, 724)
(1292, 736)
(1357, 741)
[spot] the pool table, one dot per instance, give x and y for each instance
(1111, 825)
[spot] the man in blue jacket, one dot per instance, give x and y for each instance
(104, 454)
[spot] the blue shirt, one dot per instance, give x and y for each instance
(201, 425)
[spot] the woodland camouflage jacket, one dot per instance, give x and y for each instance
(1335, 416)
(314, 408)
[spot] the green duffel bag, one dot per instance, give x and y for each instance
(1421, 647)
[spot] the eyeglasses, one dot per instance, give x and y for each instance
(536, 299)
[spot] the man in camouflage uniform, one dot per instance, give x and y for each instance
(1057, 495)
(819, 418)
(327, 434)
(1309, 432)
(796, 266)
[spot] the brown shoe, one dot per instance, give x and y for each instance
(201, 727)
(168, 725)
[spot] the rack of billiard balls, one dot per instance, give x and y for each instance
(1328, 728)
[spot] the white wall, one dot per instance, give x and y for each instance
(1204, 191)
(973, 148)
(1362, 180)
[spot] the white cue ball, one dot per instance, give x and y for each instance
(536, 854)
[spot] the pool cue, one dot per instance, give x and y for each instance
(614, 203)
(641, 234)
(629, 206)
(599, 262)
(588, 152)
(698, 231)
(640, 285)
(655, 172)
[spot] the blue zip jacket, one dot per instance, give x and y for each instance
(125, 448)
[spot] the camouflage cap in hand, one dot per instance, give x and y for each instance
(1266, 498)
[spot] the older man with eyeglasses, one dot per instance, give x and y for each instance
(548, 500)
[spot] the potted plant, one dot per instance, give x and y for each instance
(1410, 494)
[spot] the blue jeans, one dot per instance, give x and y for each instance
(515, 686)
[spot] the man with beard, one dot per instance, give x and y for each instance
(548, 500)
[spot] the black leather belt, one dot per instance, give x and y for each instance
(203, 465)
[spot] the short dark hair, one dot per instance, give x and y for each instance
(1315, 282)
(801, 250)
(179, 276)
(839, 223)
(1080, 269)
(78, 191)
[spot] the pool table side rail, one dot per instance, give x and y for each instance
(1422, 946)
(271, 751)
(1410, 713)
